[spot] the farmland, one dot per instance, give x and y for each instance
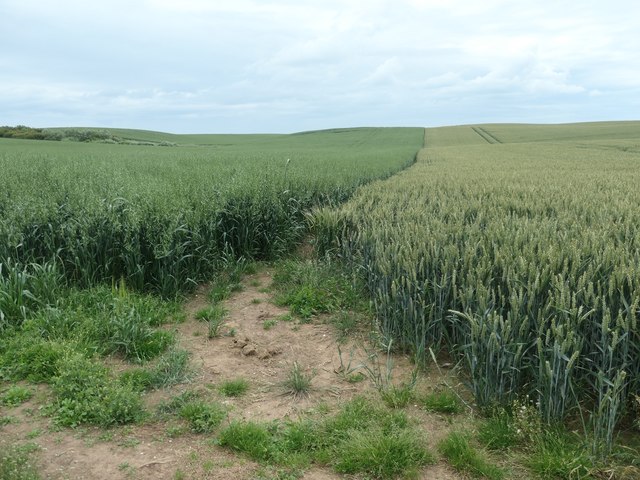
(515, 249)
(163, 219)
(497, 266)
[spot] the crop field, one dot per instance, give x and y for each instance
(517, 250)
(447, 303)
(163, 219)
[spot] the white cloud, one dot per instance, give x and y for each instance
(199, 65)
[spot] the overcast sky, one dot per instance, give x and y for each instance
(205, 66)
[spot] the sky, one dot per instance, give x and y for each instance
(247, 66)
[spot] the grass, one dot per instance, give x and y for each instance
(215, 318)
(175, 404)
(252, 438)
(362, 438)
(310, 288)
(269, 323)
(498, 432)
(298, 382)
(559, 455)
(234, 388)
(17, 463)
(443, 401)
(203, 417)
(382, 454)
(15, 395)
(397, 396)
(462, 456)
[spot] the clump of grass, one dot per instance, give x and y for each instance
(362, 438)
(176, 403)
(203, 417)
(397, 396)
(298, 383)
(85, 393)
(16, 462)
(211, 313)
(7, 419)
(234, 388)
(462, 456)
(29, 357)
(269, 323)
(215, 318)
(382, 454)
(310, 288)
(122, 322)
(558, 455)
(249, 437)
(285, 317)
(498, 432)
(16, 395)
(442, 402)
(139, 379)
(171, 368)
(228, 281)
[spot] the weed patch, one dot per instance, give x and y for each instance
(465, 458)
(234, 388)
(203, 417)
(15, 395)
(16, 463)
(442, 402)
(85, 393)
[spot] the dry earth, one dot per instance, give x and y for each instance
(262, 356)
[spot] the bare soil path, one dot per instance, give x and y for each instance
(259, 344)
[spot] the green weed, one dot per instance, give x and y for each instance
(203, 417)
(85, 393)
(269, 323)
(442, 402)
(498, 432)
(15, 395)
(249, 437)
(17, 463)
(234, 388)
(298, 382)
(465, 458)
(558, 455)
(382, 454)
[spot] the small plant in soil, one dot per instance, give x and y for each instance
(203, 417)
(462, 456)
(442, 402)
(298, 382)
(16, 395)
(249, 437)
(269, 324)
(234, 388)
(215, 318)
(498, 432)
(211, 313)
(16, 462)
(285, 317)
